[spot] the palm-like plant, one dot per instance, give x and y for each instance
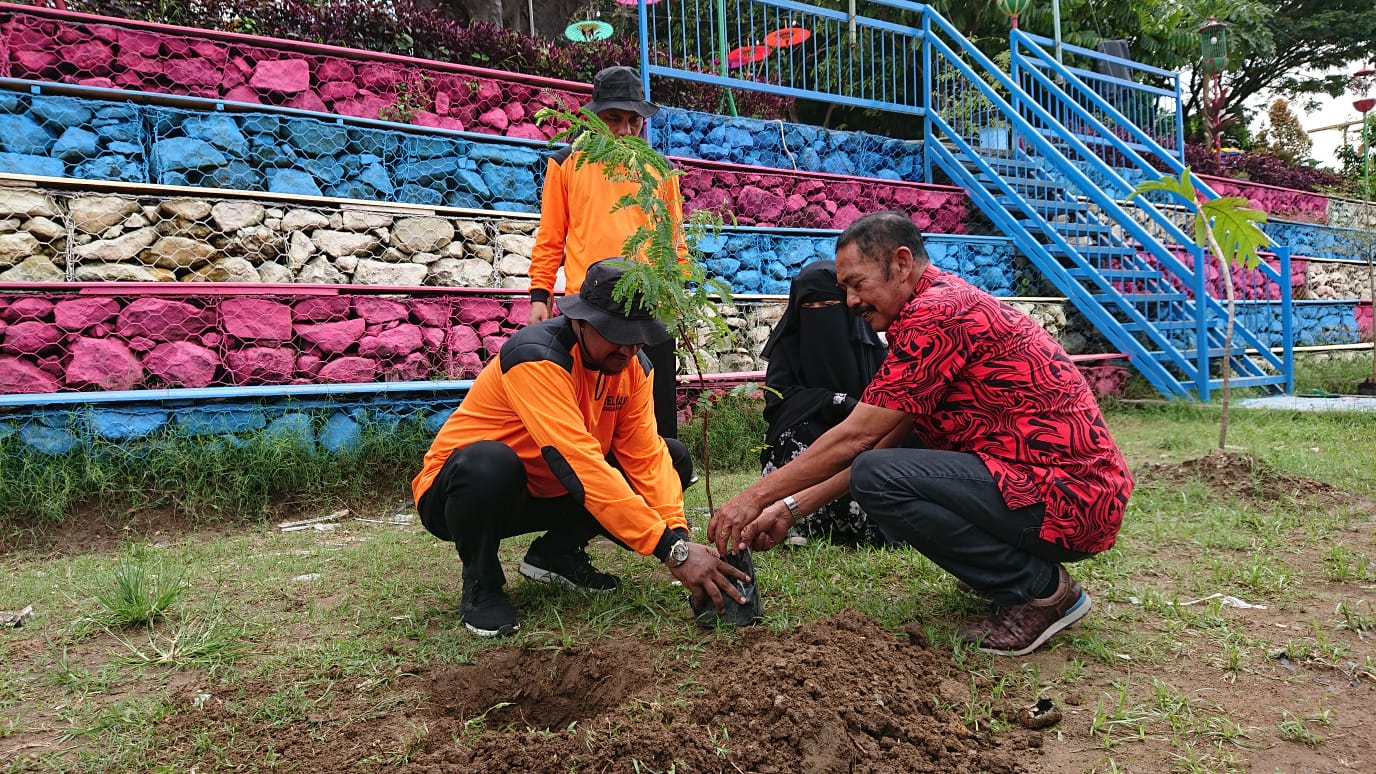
(662, 260)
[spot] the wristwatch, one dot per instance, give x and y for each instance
(678, 554)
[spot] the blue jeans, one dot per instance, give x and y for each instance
(946, 505)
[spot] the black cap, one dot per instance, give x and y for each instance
(620, 88)
(613, 319)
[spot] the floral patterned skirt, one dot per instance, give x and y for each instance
(841, 522)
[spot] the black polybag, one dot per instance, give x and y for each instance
(736, 614)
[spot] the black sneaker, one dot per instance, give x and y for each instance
(486, 611)
(572, 569)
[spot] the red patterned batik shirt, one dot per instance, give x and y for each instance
(978, 376)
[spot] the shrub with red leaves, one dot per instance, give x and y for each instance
(408, 28)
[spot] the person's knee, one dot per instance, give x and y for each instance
(868, 479)
(485, 466)
(682, 459)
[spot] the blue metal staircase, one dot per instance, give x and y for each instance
(1057, 185)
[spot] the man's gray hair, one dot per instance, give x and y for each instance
(878, 234)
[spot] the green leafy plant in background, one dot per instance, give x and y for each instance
(1227, 228)
(662, 260)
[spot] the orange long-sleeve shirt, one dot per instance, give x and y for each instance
(562, 420)
(577, 225)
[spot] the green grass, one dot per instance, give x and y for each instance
(216, 614)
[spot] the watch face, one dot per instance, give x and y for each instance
(678, 552)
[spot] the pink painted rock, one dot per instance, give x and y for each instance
(20, 376)
(433, 338)
(462, 338)
(527, 131)
(182, 364)
(261, 365)
(308, 366)
(845, 216)
(164, 320)
(379, 77)
(475, 310)
(489, 327)
(141, 344)
(515, 112)
(414, 368)
(97, 83)
(380, 310)
(141, 43)
(92, 57)
(307, 100)
(336, 90)
(212, 338)
(35, 62)
(81, 313)
(256, 319)
(349, 370)
(333, 69)
(495, 118)
(764, 206)
(103, 363)
(211, 52)
(322, 308)
(332, 337)
(243, 93)
(392, 343)
(434, 312)
(466, 365)
(518, 311)
(489, 91)
(426, 118)
(27, 309)
(31, 337)
(442, 102)
(193, 73)
(493, 344)
(284, 76)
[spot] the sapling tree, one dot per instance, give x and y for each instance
(1227, 228)
(662, 260)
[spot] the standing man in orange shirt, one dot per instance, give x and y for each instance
(579, 228)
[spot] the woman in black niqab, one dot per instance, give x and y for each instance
(821, 357)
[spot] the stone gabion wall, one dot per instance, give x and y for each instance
(327, 425)
(1314, 240)
(264, 152)
(783, 145)
(53, 236)
(92, 139)
(238, 68)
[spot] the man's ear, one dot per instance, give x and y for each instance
(901, 262)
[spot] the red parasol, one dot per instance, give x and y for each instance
(787, 36)
(745, 55)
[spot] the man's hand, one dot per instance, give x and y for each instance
(704, 572)
(539, 312)
(770, 529)
(730, 521)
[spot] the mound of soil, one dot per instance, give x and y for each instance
(839, 694)
(1247, 479)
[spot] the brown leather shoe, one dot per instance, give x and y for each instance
(1021, 629)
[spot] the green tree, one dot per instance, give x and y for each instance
(1226, 228)
(1283, 135)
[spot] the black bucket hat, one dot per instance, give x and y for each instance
(619, 88)
(618, 324)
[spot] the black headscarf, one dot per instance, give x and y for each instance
(814, 354)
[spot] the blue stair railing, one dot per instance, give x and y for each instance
(1052, 185)
(1135, 152)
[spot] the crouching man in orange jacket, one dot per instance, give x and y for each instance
(558, 435)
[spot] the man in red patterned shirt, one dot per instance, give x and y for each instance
(1008, 471)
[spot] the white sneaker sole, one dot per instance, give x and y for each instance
(504, 631)
(1080, 610)
(540, 575)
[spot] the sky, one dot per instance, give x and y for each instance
(1330, 111)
